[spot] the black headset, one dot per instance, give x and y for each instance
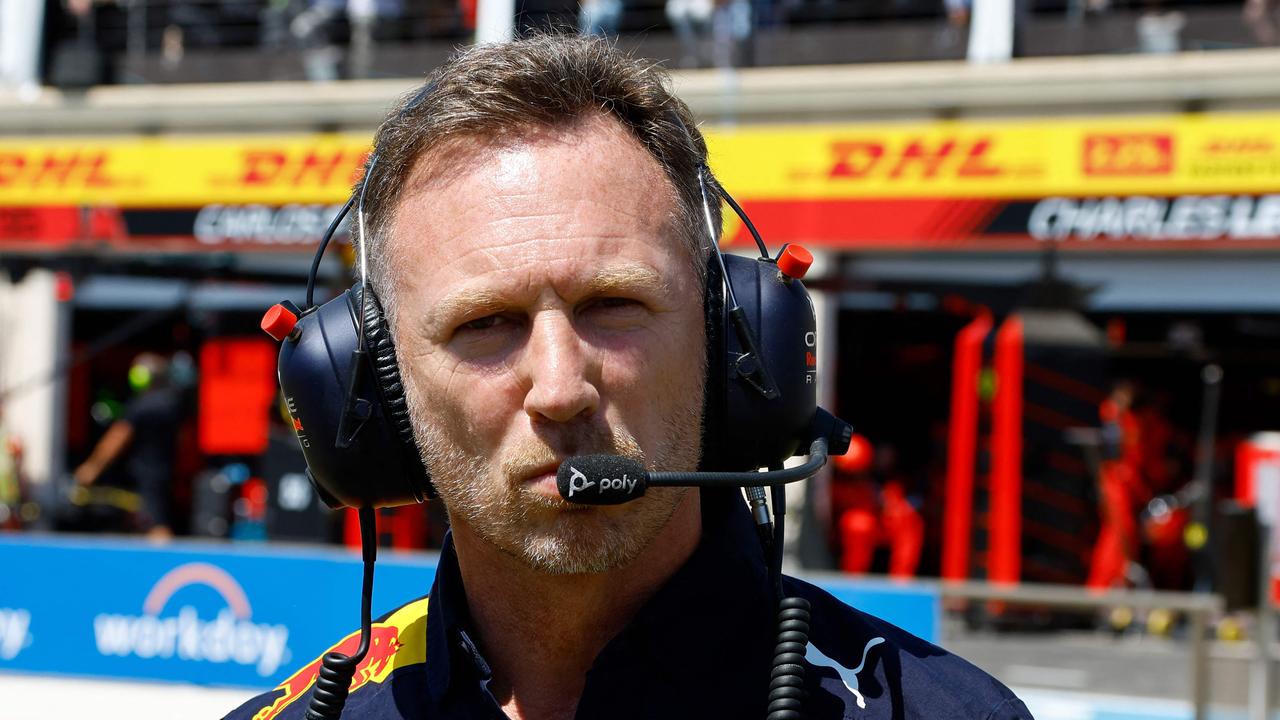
(343, 388)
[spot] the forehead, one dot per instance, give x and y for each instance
(586, 189)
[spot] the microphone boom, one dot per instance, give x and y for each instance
(601, 479)
(817, 458)
(613, 479)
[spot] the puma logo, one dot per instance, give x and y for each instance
(849, 676)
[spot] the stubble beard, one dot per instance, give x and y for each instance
(549, 535)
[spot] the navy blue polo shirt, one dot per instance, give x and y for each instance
(700, 648)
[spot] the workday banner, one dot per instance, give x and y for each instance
(245, 615)
(192, 612)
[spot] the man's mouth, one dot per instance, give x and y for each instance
(542, 480)
(538, 473)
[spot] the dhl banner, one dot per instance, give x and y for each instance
(1188, 180)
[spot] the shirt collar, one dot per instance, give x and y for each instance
(447, 622)
(726, 571)
(720, 598)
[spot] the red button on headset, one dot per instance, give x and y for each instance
(794, 261)
(279, 322)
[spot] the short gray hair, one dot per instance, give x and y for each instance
(487, 91)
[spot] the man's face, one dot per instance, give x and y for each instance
(546, 307)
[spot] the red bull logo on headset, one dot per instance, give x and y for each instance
(182, 633)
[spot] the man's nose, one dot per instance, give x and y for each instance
(561, 371)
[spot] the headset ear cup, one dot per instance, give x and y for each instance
(744, 429)
(386, 372)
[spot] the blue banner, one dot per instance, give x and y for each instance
(232, 614)
(914, 607)
(210, 613)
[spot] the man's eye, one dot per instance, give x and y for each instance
(614, 303)
(484, 323)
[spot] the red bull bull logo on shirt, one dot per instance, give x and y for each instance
(399, 641)
(230, 636)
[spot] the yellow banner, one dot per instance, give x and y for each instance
(181, 171)
(1167, 155)
(1078, 157)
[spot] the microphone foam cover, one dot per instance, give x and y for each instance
(601, 479)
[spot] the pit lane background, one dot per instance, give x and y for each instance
(238, 615)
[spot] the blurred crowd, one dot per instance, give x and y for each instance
(337, 38)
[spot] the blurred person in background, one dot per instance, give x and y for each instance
(145, 441)
(82, 38)
(315, 30)
(872, 509)
(1121, 490)
(1116, 545)
(711, 32)
(599, 17)
(12, 485)
(1081, 9)
(1160, 29)
(691, 21)
(222, 23)
(274, 23)
(1140, 449)
(1260, 16)
(770, 14)
(732, 25)
(958, 12)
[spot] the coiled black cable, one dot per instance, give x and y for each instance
(329, 696)
(786, 681)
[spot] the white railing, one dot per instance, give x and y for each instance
(1220, 81)
(1198, 607)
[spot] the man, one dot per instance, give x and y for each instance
(145, 439)
(534, 231)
